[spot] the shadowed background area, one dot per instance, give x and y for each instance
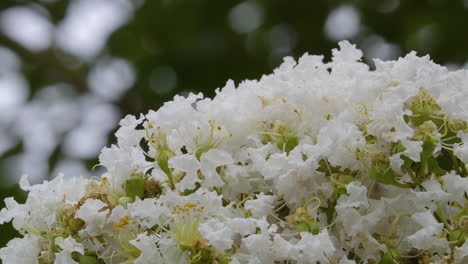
(70, 70)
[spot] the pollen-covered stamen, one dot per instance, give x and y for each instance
(185, 224)
(124, 222)
(127, 230)
(185, 232)
(187, 209)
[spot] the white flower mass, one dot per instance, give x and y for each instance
(316, 163)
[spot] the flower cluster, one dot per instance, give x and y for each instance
(315, 163)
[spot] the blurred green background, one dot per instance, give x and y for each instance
(70, 70)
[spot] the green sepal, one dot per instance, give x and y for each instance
(408, 166)
(162, 158)
(428, 161)
(190, 191)
(202, 150)
(457, 238)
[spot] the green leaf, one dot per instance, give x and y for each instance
(382, 173)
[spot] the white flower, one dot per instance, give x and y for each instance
(456, 186)
(217, 233)
(424, 238)
(261, 206)
(149, 212)
(21, 250)
(319, 162)
(461, 150)
(147, 244)
(127, 136)
(461, 253)
(316, 248)
(14, 211)
(341, 139)
(68, 246)
(211, 160)
(190, 165)
(92, 213)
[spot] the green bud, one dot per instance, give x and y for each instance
(75, 224)
(392, 256)
(314, 227)
(225, 260)
(285, 138)
(458, 125)
(135, 186)
(288, 141)
(310, 226)
(424, 107)
(190, 191)
(425, 129)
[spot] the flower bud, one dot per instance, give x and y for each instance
(135, 186)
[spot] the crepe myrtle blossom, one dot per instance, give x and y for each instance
(319, 162)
